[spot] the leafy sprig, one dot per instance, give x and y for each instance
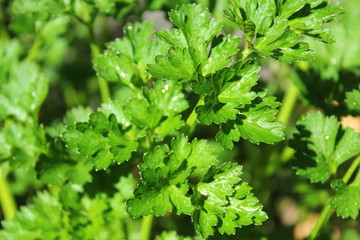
(276, 31)
(322, 147)
(219, 200)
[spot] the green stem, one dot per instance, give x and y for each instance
(95, 52)
(146, 227)
(3, 31)
(286, 154)
(288, 104)
(34, 50)
(284, 115)
(323, 219)
(327, 211)
(219, 9)
(247, 51)
(192, 118)
(351, 170)
(7, 201)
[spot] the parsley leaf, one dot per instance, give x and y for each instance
(164, 186)
(171, 236)
(22, 144)
(225, 91)
(221, 199)
(281, 24)
(69, 216)
(102, 140)
(347, 198)
(125, 59)
(322, 146)
(256, 122)
(230, 100)
(62, 165)
(353, 100)
(167, 96)
(22, 102)
(188, 52)
(42, 220)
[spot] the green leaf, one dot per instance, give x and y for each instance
(22, 144)
(224, 202)
(167, 96)
(169, 126)
(188, 52)
(220, 54)
(138, 43)
(125, 188)
(353, 100)
(332, 59)
(5, 151)
(142, 113)
(22, 102)
(171, 236)
(226, 91)
(37, 6)
(75, 114)
(42, 220)
(115, 107)
(249, 20)
(9, 54)
(256, 123)
(177, 65)
(114, 68)
(164, 185)
(125, 59)
(310, 21)
(201, 157)
(282, 44)
(63, 165)
(161, 189)
(109, 6)
(281, 24)
(102, 140)
(53, 217)
(346, 200)
(215, 112)
(322, 146)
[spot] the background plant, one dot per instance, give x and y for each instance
(175, 122)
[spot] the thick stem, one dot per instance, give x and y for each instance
(146, 227)
(7, 201)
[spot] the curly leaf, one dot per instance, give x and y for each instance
(222, 200)
(102, 140)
